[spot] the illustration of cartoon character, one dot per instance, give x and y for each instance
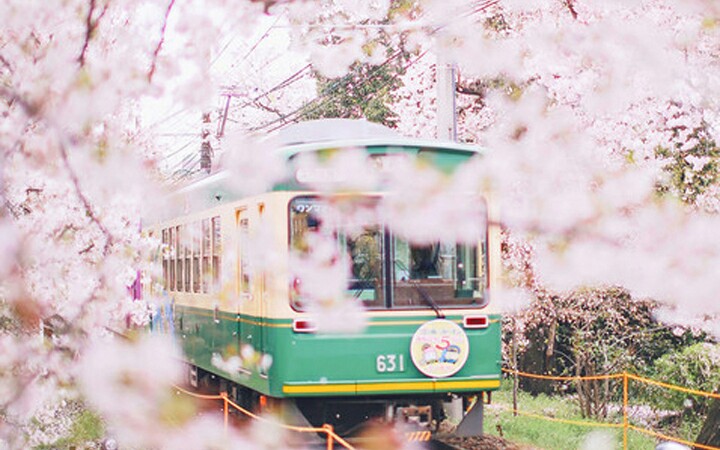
(450, 353)
(429, 354)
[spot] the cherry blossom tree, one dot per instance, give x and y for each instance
(77, 169)
(586, 118)
(583, 103)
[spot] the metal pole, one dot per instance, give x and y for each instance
(446, 111)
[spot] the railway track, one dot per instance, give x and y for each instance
(429, 445)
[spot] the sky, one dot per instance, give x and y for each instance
(248, 63)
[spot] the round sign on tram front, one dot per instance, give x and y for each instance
(439, 348)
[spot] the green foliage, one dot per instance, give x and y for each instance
(363, 93)
(696, 367)
(691, 171)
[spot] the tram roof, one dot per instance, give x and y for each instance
(323, 134)
(328, 134)
(389, 143)
(292, 150)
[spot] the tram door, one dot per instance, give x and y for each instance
(262, 310)
(250, 283)
(243, 285)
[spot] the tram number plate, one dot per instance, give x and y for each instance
(390, 363)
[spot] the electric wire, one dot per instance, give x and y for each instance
(327, 92)
(217, 57)
(323, 98)
(285, 119)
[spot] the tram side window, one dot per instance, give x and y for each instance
(173, 256)
(206, 254)
(196, 251)
(187, 251)
(216, 249)
(180, 259)
(165, 258)
(245, 287)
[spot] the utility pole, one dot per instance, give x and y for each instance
(447, 130)
(446, 110)
(221, 125)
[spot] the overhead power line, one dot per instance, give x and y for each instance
(298, 75)
(313, 105)
(329, 91)
(319, 100)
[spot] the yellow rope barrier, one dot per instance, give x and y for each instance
(670, 438)
(565, 421)
(326, 428)
(673, 387)
(558, 378)
(625, 425)
(333, 437)
(201, 396)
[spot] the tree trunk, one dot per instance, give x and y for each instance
(515, 366)
(710, 433)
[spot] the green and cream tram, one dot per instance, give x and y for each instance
(432, 334)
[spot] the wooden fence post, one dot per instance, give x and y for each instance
(625, 410)
(225, 410)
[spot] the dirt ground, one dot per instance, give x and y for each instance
(483, 443)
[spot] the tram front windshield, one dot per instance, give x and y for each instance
(387, 271)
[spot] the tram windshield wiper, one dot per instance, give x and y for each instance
(360, 286)
(424, 294)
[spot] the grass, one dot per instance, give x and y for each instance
(539, 433)
(87, 427)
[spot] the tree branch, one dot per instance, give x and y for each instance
(571, 6)
(153, 65)
(109, 239)
(87, 249)
(90, 27)
(6, 63)
(268, 108)
(30, 109)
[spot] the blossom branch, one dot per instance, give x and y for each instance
(153, 66)
(571, 6)
(6, 63)
(90, 28)
(11, 208)
(268, 108)
(109, 238)
(13, 98)
(30, 111)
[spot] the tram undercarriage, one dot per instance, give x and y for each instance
(349, 416)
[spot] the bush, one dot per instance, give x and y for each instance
(695, 367)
